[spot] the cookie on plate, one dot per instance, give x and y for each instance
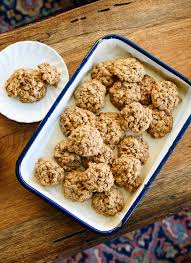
(50, 74)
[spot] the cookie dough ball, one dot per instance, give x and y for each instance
(137, 118)
(50, 74)
(129, 69)
(74, 188)
(98, 177)
(124, 93)
(106, 156)
(110, 129)
(48, 172)
(165, 95)
(126, 171)
(135, 146)
(108, 203)
(103, 72)
(73, 117)
(91, 95)
(85, 141)
(27, 85)
(146, 86)
(67, 160)
(161, 124)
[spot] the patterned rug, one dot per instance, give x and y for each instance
(166, 241)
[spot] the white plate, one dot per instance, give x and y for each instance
(49, 133)
(28, 54)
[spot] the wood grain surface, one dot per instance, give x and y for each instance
(30, 229)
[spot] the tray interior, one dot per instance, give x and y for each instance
(50, 134)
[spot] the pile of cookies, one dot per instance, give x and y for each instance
(86, 161)
(30, 85)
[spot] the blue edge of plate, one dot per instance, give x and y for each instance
(146, 187)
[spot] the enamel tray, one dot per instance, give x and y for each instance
(48, 134)
(29, 54)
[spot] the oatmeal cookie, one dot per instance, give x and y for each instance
(126, 171)
(74, 188)
(27, 85)
(108, 203)
(124, 93)
(109, 128)
(103, 72)
(106, 156)
(50, 74)
(48, 172)
(161, 124)
(129, 69)
(98, 177)
(137, 118)
(67, 160)
(165, 95)
(135, 146)
(73, 117)
(91, 95)
(146, 86)
(85, 141)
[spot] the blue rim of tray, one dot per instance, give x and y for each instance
(37, 131)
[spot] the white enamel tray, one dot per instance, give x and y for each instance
(48, 134)
(29, 54)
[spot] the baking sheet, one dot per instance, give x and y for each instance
(51, 134)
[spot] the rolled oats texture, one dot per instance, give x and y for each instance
(67, 160)
(108, 203)
(137, 118)
(161, 124)
(50, 74)
(103, 72)
(73, 117)
(126, 171)
(90, 95)
(146, 86)
(110, 129)
(27, 85)
(129, 69)
(98, 177)
(124, 93)
(85, 141)
(48, 172)
(106, 156)
(135, 146)
(165, 95)
(74, 188)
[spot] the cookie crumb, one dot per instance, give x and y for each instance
(108, 203)
(48, 172)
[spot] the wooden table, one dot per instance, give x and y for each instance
(30, 229)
